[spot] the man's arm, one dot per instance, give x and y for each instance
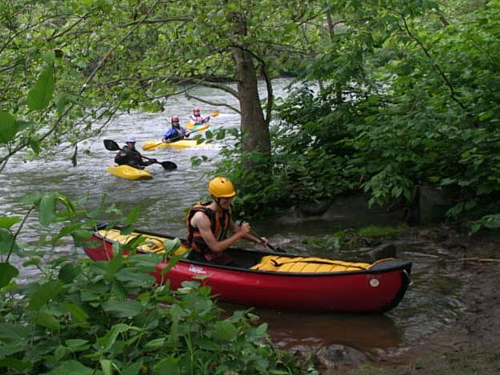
(249, 236)
(201, 221)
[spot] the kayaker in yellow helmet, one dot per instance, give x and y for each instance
(209, 223)
(130, 156)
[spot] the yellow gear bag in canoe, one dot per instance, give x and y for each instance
(307, 264)
(152, 244)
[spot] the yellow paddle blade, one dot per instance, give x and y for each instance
(201, 128)
(214, 114)
(150, 145)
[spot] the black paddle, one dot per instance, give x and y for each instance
(268, 245)
(113, 146)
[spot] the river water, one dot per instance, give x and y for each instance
(432, 302)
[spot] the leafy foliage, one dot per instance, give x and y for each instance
(405, 98)
(112, 317)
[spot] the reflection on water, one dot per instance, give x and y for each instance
(293, 329)
(432, 301)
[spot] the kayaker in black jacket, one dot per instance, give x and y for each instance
(129, 155)
(209, 223)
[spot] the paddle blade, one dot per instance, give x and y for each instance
(111, 145)
(199, 128)
(168, 165)
(214, 114)
(150, 145)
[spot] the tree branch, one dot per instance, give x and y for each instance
(212, 103)
(436, 66)
(163, 20)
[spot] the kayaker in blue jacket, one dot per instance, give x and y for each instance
(176, 132)
(197, 118)
(129, 155)
(209, 223)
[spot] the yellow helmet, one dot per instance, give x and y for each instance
(221, 187)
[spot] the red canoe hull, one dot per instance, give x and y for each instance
(376, 290)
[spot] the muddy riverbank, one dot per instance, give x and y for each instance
(469, 345)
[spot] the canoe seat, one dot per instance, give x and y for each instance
(307, 264)
(152, 244)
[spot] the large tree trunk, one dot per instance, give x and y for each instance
(253, 124)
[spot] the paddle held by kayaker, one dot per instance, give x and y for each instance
(176, 132)
(208, 225)
(129, 155)
(197, 118)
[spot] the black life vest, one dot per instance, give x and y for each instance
(129, 157)
(219, 225)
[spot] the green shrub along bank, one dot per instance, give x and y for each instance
(417, 103)
(85, 317)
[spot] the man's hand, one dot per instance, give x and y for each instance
(263, 241)
(244, 228)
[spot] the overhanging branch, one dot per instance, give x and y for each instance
(213, 103)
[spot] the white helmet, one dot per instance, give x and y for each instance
(130, 139)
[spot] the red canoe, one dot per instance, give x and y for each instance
(283, 281)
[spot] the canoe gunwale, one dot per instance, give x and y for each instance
(382, 267)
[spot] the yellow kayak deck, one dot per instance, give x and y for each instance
(129, 173)
(184, 143)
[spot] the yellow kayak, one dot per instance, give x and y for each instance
(197, 127)
(184, 143)
(130, 173)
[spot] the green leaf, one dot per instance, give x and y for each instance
(167, 366)
(133, 278)
(39, 96)
(44, 293)
(133, 369)
(32, 262)
(106, 366)
(80, 236)
(110, 337)
(34, 143)
(225, 330)
(49, 57)
(155, 344)
(45, 319)
(122, 309)
(8, 221)
(47, 209)
(16, 364)
(7, 273)
(171, 245)
(68, 273)
(76, 312)
(32, 198)
(77, 345)
(71, 368)
(61, 102)
(133, 215)
(14, 332)
(7, 241)
(8, 127)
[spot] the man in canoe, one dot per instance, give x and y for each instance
(176, 132)
(129, 155)
(197, 118)
(209, 223)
